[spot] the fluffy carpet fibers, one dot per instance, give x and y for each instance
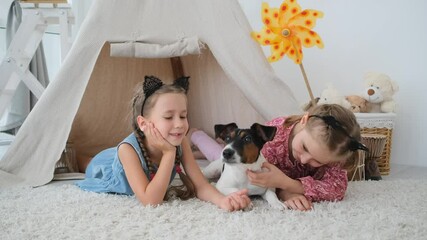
(371, 210)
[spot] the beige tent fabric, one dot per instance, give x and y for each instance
(182, 47)
(88, 102)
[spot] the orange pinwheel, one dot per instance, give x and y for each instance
(287, 29)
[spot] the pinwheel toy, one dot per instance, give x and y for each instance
(286, 30)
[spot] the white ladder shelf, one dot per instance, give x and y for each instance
(14, 67)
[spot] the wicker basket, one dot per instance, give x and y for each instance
(379, 123)
(375, 144)
(383, 161)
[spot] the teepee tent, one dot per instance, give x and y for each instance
(122, 41)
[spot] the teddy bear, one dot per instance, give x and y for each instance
(358, 104)
(379, 92)
(328, 96)
(331, 95)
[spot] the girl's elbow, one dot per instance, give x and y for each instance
(339, 196)
(150, 201)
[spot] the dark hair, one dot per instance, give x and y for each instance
(339, 140)
(187, 190)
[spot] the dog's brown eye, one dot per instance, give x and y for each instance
(248, 139)
(227, 139)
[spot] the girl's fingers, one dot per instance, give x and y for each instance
(157, 133)
(299, 205)
(156, 137)
(242, 202)
(266, 165)
(153, 130)
(239, 200)
(307, 204)
(148, 129)
(303, 204)
(258, 178)
(247, 200)
(293, 204)
(233, 201)
(253, 177)
(250, 175)
(242, 192)
(234, 204)
(290, 204)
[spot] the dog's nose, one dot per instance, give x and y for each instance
(228, 153)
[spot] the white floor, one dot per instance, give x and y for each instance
(398, 171)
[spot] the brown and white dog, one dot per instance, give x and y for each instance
(242, 152)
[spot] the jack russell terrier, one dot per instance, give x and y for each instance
(242, 152)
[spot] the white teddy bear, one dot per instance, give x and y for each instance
(379, 92)
(331, 95)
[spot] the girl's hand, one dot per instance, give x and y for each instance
(270, 178)
(156, 139)
(235, 201)
(298, 202)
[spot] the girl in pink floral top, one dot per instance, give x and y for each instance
(309, 156)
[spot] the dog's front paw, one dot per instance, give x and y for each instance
(272, 199)
(279, 205)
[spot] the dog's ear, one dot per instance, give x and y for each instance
(221, 130)
(266, 133)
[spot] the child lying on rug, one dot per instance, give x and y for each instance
(308, 157)
(146, 162)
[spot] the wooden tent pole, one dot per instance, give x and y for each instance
(178, 70)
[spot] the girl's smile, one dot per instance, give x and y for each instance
(170, 116)
(177, 136)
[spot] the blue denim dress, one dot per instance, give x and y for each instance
(105, 172)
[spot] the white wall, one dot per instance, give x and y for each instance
(386, 36)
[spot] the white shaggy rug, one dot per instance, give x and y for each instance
(371, 210)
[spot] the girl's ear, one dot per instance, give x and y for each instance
(141, 122)
(304, 119)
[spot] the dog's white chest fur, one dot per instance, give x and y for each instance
(234, 177)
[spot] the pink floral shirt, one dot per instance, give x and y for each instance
(324, 183)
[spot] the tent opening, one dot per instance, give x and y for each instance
(104, 115)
